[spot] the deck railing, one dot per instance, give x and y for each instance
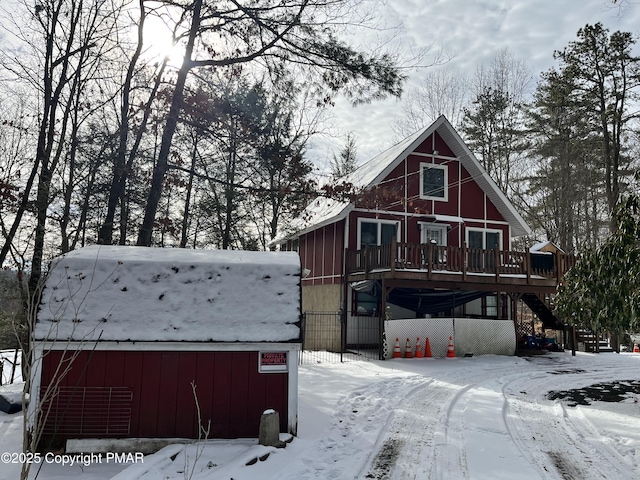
(433, 258)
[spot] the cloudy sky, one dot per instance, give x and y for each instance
(471, 32)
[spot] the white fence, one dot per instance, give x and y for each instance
(477, 336)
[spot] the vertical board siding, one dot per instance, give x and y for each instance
(167, 399)
(149, 392)
(231, 393)
(131, 377)
(219, 408)
(186, 418)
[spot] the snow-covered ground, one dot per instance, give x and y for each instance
(484, 417)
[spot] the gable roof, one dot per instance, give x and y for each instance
(120, 293)
(323, 211)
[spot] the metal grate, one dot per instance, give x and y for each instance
(87, 411)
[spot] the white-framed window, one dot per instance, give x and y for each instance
(433, 231)
(434, 180)
(484, 238)
(491, 306)
(376, 232)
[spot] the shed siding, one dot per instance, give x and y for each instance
(229, 388)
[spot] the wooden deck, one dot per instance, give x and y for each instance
(434, 266)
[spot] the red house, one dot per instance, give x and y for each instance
(429, 236)
(128, 337)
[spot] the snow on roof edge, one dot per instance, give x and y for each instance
(109, 293)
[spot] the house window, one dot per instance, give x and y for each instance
(483, 238)
(433, 181)
(491, 305)
(480, 241)
(376, 232)
(430, 231)
(364, 304)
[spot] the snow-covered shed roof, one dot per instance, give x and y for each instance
(545, 247)
(323, 211)
(119, 293)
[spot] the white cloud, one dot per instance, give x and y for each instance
(472, 31)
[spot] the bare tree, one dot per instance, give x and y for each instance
(441, 91)
(37, 403)
(126, 154)
(299, 32)
(68, 39)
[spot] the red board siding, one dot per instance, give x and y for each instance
(471, 198)
(231, 393)
(321, 252)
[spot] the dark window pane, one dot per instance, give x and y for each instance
(433, 182)
(475, 239)
(368, 234)
(493, 239)
(365, 304)
(388, 232)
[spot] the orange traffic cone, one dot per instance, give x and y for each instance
(450, 352)
(396, 350)
(427, 349)
(635, 348)
(418, 348)
(407, 350)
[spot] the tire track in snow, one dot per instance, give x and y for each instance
(349, 441)
(430, 428)
(451, 455)
(557, 439)
(416, 438)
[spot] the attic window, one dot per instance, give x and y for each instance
(433, 181)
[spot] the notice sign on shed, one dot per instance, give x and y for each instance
(273, 362)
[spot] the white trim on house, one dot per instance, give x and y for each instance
(445, 186)
(379, 221)
(484, 237)
(323, 211)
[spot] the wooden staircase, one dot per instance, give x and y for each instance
(541, 305)
(588, 341)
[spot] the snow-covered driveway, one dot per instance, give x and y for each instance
(484, 417)
(478, 418)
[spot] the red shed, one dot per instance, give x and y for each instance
(125, 334)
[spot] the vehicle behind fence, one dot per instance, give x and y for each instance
(324, 338)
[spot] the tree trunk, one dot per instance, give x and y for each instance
(187, 202)
(117, 189)
(162, 163)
